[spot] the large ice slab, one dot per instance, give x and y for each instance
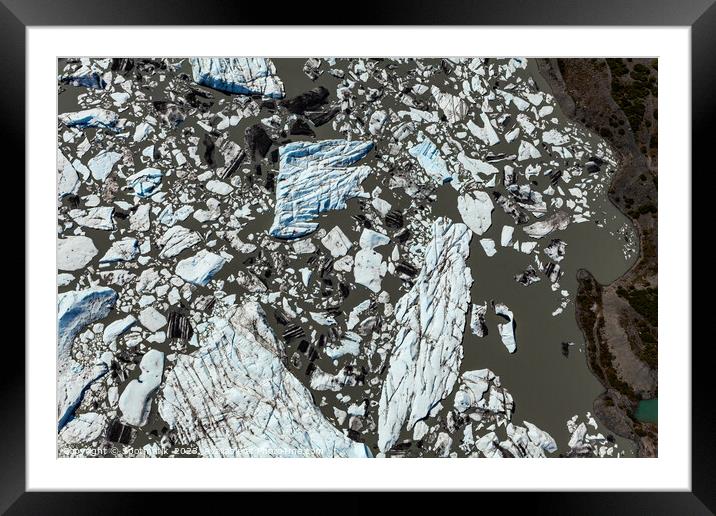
(95, 117)
(314, 178)
(235, 398)
(426, 356)
(244, 75)
(76, 310)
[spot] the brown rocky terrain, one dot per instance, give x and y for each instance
(617, 98)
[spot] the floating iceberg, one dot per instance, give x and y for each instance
(175, 240)
(369, 269)
(200, 268)
(85, 76)
(68, 181)
(476, 211)
(136, 399)
(76, 310)
(124, 250)
(74, 252)
(145, 182)
(244, 75)
(235, 398)
(99, 217)
(429, 158)
(96, 117)
(101, 164)
(426, 356)
(507, 330)
(558, 221)
(314, 178)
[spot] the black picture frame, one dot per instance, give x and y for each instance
(17, 15)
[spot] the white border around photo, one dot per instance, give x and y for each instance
(671, 470)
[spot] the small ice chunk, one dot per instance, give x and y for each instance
(136, 400)
(488, 245)
(369, 269)
(476, 211)
(336, 242)
(123, 250)
(370, 239)
(74, 252)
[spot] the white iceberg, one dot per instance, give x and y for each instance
(243, 75)
(200, 268)
(76, 310)
(429, 158)
(234, 397)
(476, 211)
(136, 399)
(427, 352)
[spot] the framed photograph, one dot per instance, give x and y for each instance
(273, 258)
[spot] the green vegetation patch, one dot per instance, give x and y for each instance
(644, 301)
(630, 89)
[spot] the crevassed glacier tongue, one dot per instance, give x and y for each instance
(315, 177)
(427, 352)
(234, 397)
(243, 75)
(75, 310)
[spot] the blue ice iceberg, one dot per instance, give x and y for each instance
(145, 182)
(429, 158)
(76, 310)
(243, 75)
(96, 117)
(315, 177)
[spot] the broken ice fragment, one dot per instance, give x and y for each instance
(455, 108)
(75, 310)
(94, 218)
(243, 75)
(314, 178)
(123, 250)
(101, 164)
(476, 211)
(152, 319)
(369, 269)
(96, 117)
(370, 239)
(539, 229)
(136, 399)
(84, 76)
(175, 240)
(507, 329)
(429, 158)
(427, 351)
(145, 182)
(336, 242)
(488, 245)
(478, 324)
(74, 252)
(506, 235)
(200, 268)
(486, 133)
(68, 181)
(117, 328)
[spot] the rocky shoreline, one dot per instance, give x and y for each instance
(617, 98)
